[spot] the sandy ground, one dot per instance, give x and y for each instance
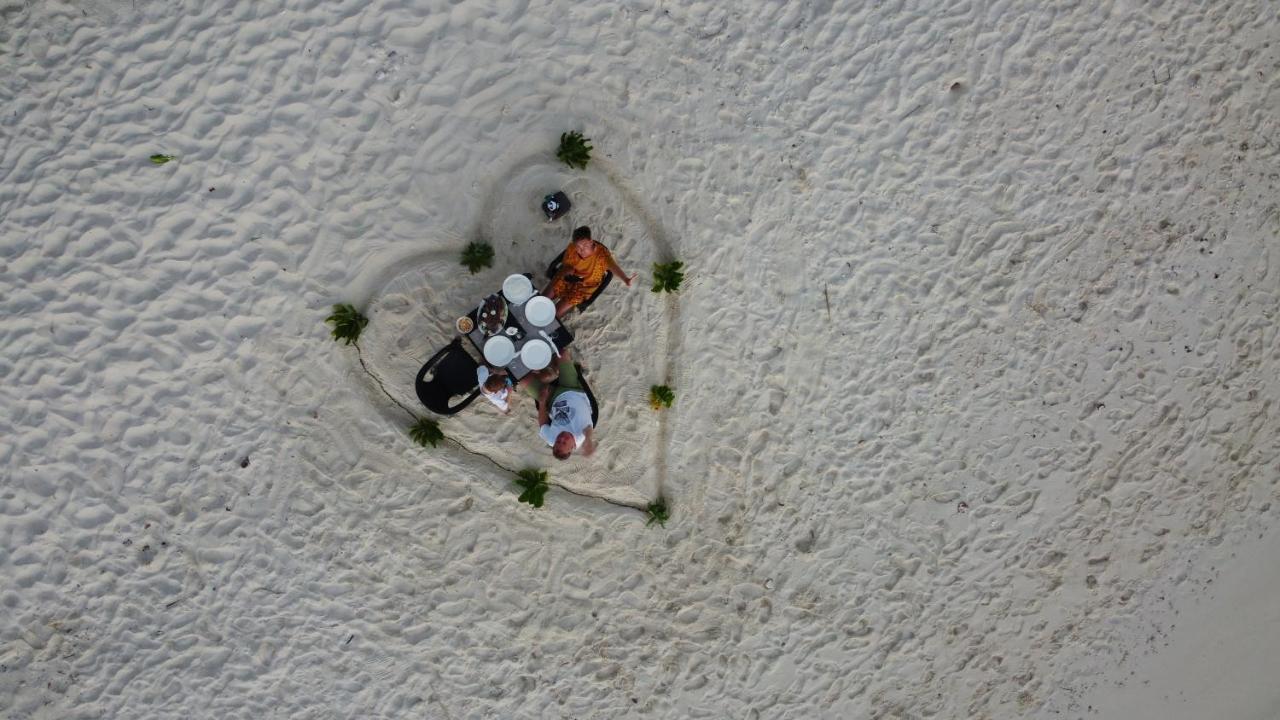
(976, 360)
(1207, 653)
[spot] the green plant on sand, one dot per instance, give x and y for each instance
(667, 276)
(426, 432)
(535, 486)
(657, 512)
(574, 150)
(477, 255)
(159, 159)
(347, 323)
(661, 396)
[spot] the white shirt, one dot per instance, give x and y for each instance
(570, 412)
(498, 398)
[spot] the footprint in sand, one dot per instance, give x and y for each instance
(623, 340)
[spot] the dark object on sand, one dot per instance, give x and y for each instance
(555, 205)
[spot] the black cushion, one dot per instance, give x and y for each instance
(449, 373)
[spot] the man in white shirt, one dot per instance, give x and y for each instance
(564, 412)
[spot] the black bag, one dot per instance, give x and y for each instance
(555, 205)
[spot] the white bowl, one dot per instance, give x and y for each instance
(516, 289)
(499, 350)
(535, 354)
(540, 311)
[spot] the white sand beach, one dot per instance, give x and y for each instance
(976, 360)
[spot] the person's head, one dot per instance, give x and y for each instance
(582, 239)
(494, 383)
(563, 446)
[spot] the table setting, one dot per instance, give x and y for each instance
(516, 328)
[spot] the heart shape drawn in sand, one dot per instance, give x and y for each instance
(623, 341)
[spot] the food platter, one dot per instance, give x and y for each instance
(492, 314)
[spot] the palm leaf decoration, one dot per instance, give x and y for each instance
(535, 486)
(162, 159)
(661, 396)
(477, 256)
(667, 276)
(426, 432)
(657, 512)
(347, 323)
(574, 150)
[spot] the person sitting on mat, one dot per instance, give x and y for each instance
(584, 264)
(564, 411)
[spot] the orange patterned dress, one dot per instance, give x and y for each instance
(590, 270)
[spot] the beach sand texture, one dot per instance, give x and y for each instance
(976, 360)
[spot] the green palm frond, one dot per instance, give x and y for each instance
(426, 432)
(661, 396)
(477, 256)
(667, 276)
(535, 486)
(347, 323)
(574, 150)
(657, 512)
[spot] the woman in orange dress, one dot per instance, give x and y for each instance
(583, 266)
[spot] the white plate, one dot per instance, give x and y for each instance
(535, 354)
(499, 350)
(516, 289)
(540, 311)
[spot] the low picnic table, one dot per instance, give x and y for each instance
(525, 331)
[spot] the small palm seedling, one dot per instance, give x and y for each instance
(477, 255)
(657, 512)
(574, 150)
(667, 276)
(661, 396)
(347, 323)
(426, 432)
(535, 486)
(162, 159)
